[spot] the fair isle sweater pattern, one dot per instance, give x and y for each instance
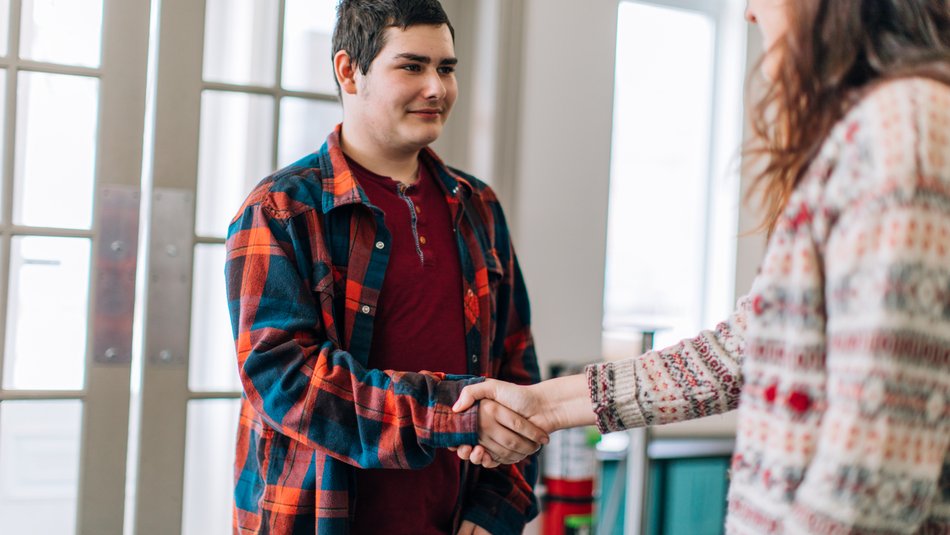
(838, 359)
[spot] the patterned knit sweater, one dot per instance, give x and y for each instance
(838, 359)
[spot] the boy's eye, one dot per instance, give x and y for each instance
(413, 67)
(448, 69)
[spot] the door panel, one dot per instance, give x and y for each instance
(242, 90)
(72, 87)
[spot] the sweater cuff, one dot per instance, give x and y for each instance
(613, 393)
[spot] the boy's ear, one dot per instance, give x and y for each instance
(345, 71)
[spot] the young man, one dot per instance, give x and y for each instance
(370, 256)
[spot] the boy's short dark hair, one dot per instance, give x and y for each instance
(360, 25)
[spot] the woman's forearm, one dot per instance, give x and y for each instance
(564, 402)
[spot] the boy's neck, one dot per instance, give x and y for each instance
(400, 166)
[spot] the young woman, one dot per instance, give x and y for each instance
(838, 359)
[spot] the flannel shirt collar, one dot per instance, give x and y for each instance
(339, 184)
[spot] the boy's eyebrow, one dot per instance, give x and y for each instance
(425, 59)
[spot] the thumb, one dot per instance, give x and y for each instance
(472, 393)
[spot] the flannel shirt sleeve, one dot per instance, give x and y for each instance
(503, 500)
(307, 389)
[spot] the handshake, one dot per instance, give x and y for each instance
(515, 421)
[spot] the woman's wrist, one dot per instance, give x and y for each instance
(565, 402)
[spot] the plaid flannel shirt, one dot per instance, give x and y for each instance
(306, 257)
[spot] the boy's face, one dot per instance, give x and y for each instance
(405, 98)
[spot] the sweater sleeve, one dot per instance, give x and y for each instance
(696, 377)
(885, 433)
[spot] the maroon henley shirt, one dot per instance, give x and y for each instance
(418, 326)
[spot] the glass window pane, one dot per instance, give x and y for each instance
(241, 41)
(304, 125)
(57, 119)
(209, 466)
(68, 32)
(39, 465)
(234, 153)
(49, 291)
(308, 30)
(659, 170)
(4, 25)
(213, 365)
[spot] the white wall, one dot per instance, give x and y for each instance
(560, 202)
(534, 119)
(751, 246)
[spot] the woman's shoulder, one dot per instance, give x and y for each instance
(898, 117)
(902, 100)
(892, 141)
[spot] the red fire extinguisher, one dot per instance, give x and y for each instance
(569, 466)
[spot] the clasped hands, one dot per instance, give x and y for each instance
(514, 421)
(511, 425)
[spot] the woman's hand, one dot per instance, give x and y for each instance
(550, 405)
(520, 399)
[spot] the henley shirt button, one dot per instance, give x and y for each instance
(365, 309)
(380, 245)
(422, 240)
(474, 358)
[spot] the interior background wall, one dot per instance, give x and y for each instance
(534, 119)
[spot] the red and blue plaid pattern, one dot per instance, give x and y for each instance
(307, 254)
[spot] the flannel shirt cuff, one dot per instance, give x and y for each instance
(494, 514)
(449, 429)
(613, 393)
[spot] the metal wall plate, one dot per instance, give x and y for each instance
(169, 278)
(117, 217)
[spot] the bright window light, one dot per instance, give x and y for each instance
(669, 261)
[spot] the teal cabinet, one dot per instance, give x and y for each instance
(687, 496)
(684, 492)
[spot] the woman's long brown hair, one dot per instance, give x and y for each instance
(832, 52)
